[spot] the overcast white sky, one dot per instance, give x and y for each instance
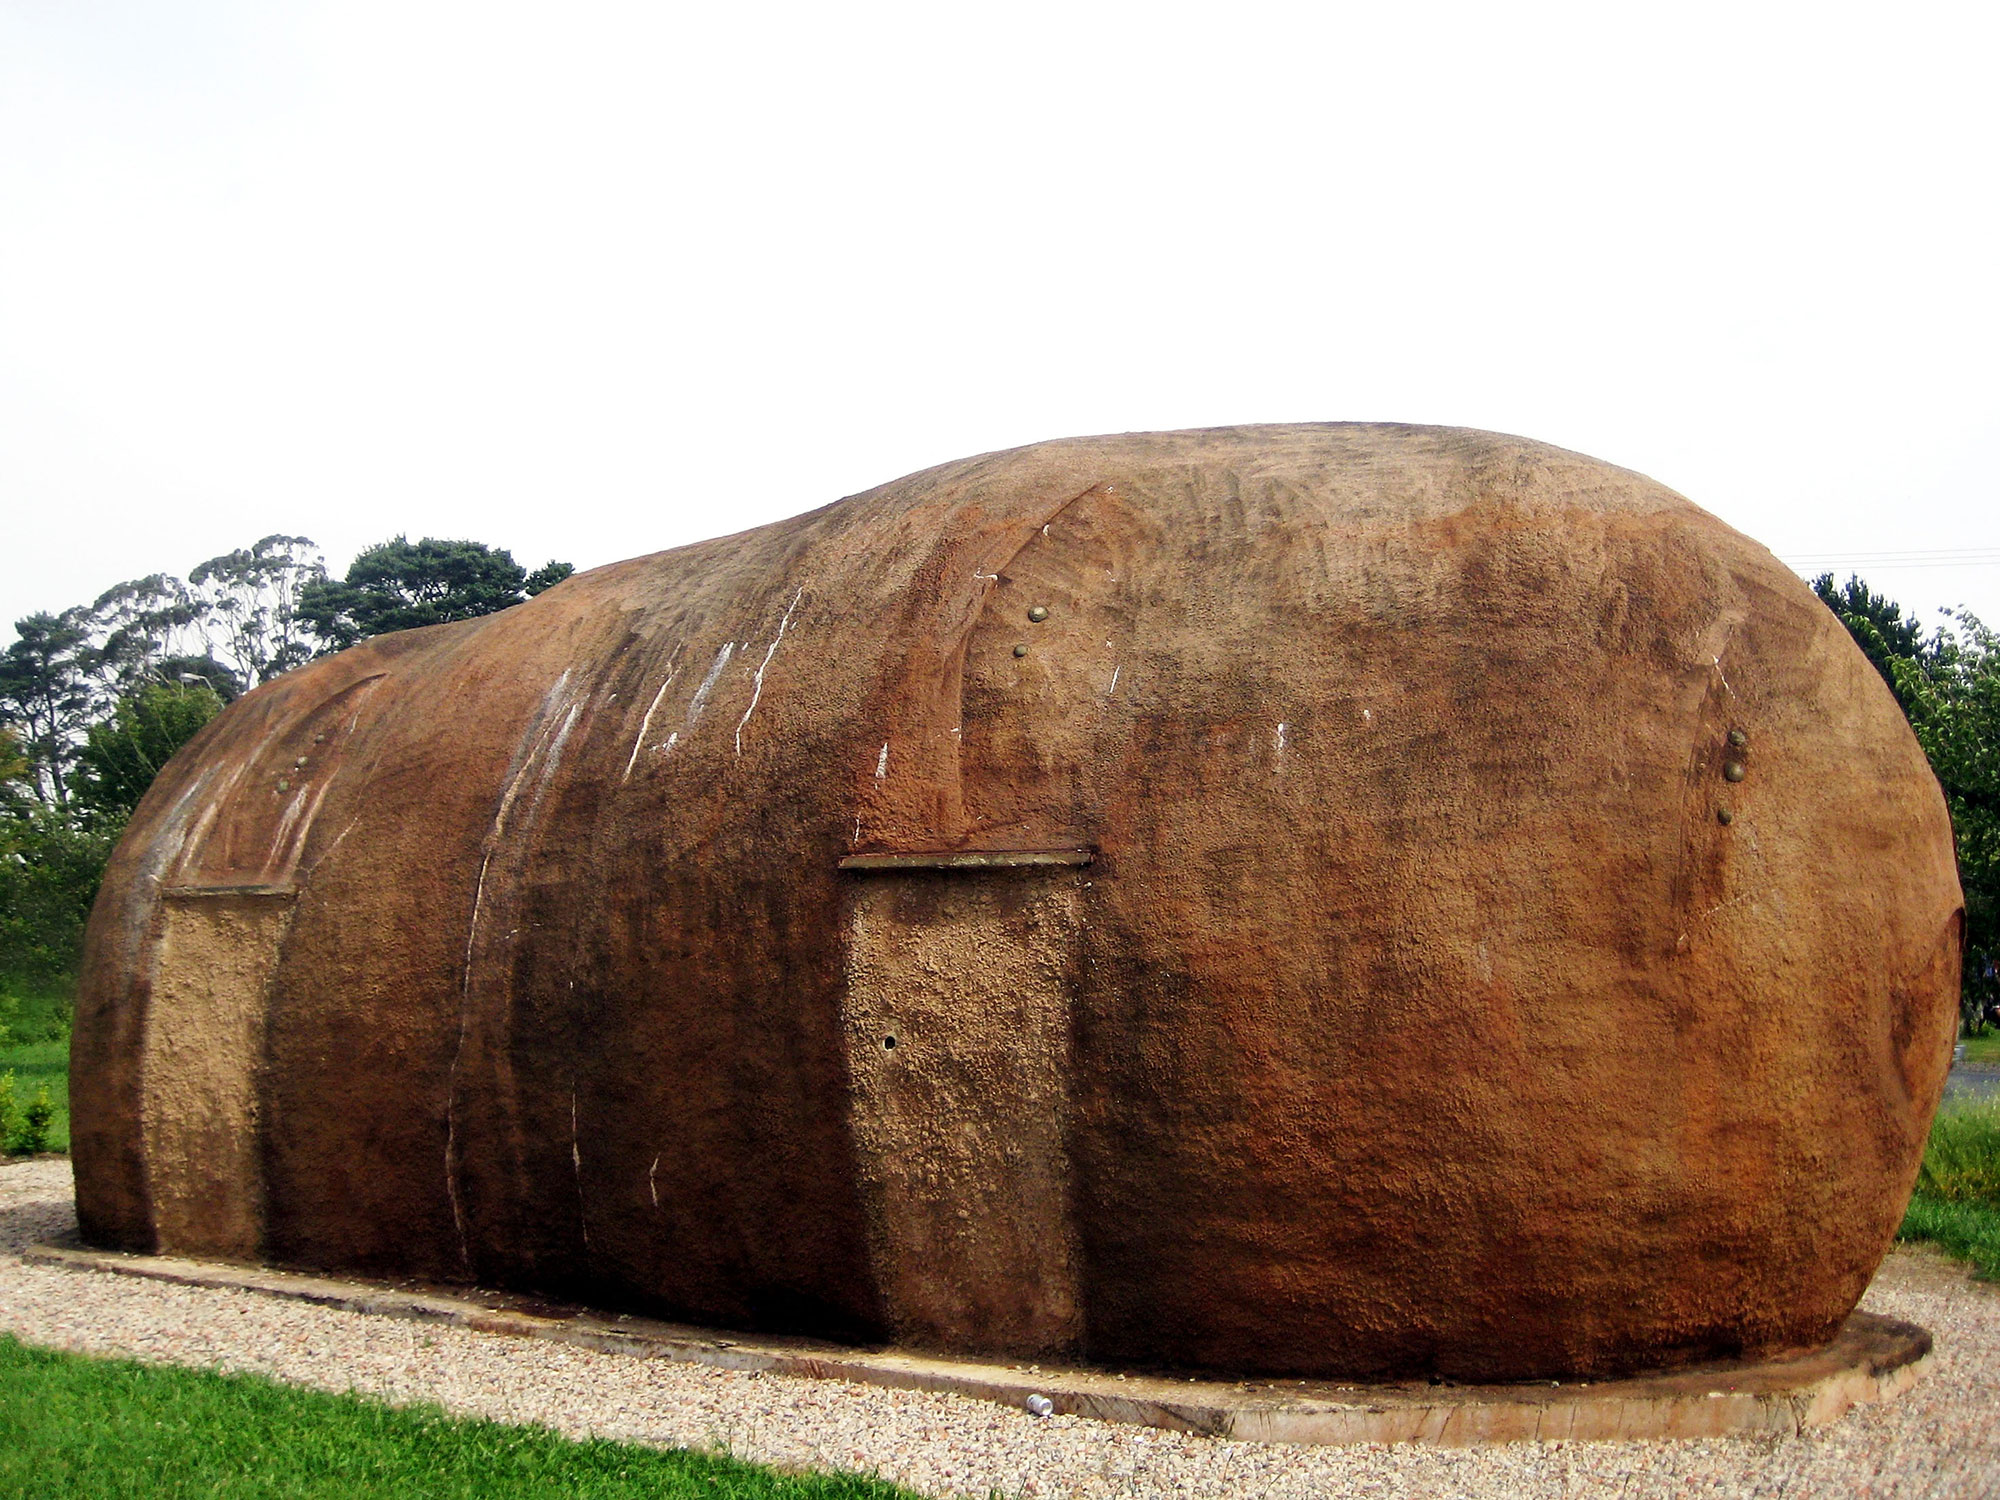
(588, 280)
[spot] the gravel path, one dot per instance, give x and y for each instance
(1940, 1439)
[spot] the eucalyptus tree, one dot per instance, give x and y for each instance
(48, 695)
(250, 606)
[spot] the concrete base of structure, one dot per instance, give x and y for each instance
(1873, 1359)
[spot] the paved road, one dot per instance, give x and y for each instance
(1973, 1081)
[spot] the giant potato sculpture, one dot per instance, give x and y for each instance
(1352, 900)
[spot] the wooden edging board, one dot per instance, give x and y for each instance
(1873, 1359)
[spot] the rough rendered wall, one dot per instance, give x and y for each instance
(1520, 935)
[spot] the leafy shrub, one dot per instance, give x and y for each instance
(23, 1132)
(35, 1122)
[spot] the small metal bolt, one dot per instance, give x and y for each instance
(1038, 613)
(1733, 771)
(319, 739)
(1738, 738)
(300, 761)
(1020, 650)
(284, 785)
(1724, 816)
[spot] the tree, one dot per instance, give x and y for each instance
(401, 585)
(121, 755)
(1954, 706)
(1877, 625)
(1949, 686)
(47, 696)
(135, 626)
(16, 771)
(250, 600)
(49, 871)
(201, 671)
(547, 576)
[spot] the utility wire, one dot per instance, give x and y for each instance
(1936, 557)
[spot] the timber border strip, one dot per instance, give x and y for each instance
(1872, 1359)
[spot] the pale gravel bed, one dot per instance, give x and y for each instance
(1939, 1439)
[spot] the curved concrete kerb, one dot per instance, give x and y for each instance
(1873, 1359)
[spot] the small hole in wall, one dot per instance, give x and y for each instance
(888, 1044)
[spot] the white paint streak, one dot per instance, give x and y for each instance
(757, 691)
(575, 1151)
(289, 843)
(1278, 739)
(339, 839)
(172, 840)
(882, 762)
(545, 749)
(1724, 676)
(647, 722)
(700, 699)
(1368, 716)
(451, 1077)
(552, 759)
(576, 1161)
(192, 841)
(291, 816)
(1727, 904)
(514, 782)
(653, 1181)
(1114, 681)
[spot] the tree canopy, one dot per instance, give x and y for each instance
(94, 700)
(250, 600)
(1948, 683)
(122, 754)
(403, 585)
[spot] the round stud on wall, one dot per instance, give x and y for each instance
(1020, 650)
(1038, 613)
(1738, 738)
(1733, 771)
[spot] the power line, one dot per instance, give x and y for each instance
(1937, 557)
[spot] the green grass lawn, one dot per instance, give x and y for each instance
(1983, 1050)
(1957, 1203)
(112, 1428)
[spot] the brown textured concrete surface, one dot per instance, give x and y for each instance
(1519, 936)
